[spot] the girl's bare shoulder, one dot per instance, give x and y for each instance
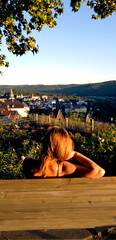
(68, 168)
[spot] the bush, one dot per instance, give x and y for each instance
(100, 146)
(25, 139)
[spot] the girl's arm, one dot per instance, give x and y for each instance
(89, 169)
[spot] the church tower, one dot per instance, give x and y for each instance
(11, 95)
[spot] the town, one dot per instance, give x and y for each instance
(13, 107)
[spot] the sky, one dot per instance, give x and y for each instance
(78, 50)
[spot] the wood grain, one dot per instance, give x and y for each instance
(62, 203)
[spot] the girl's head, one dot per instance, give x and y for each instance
(57, 144)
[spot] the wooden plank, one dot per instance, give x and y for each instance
(57, 203)
(57, 183)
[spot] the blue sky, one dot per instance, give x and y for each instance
(78, 50)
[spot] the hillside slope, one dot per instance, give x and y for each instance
(94, 89)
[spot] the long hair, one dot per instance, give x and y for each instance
(57, 145)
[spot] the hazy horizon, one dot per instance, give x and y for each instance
(55, 84)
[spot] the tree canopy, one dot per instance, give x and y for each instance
(102, 8)
(18, 18)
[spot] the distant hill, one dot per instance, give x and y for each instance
(93, 89)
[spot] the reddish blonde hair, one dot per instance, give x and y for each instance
(57, 145)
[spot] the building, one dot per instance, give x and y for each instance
(44, 97)
(13, 104)
(11, 95)
(60, 115)
(8, 116)
(4, 119)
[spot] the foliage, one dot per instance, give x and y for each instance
(102, 8)
(99, 146)
(16, 141)
(77, 117)
(103, 108)
(18, 18)
(26, 138)
(94, 89)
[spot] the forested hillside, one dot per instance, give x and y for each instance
(95, 89)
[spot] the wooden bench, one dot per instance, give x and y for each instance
(61, 203)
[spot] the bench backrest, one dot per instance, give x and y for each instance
(62, 203)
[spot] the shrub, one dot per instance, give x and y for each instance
(25, 139)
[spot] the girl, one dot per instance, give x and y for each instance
(57, 159)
